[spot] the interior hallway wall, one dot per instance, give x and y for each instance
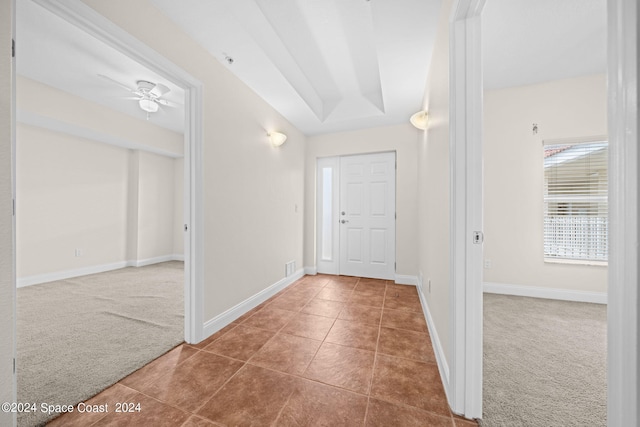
(400, 138)
(433, 186)
(514, 178)
(253, 192)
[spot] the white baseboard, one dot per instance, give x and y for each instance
(155, 260)
(311, 271)
(69, 274)
(547, 293)
(214, 325)
(402, 279)
(441, 360)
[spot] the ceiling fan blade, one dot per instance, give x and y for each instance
(168, 103)
(122, 85)
(135, 98)
(159, 90)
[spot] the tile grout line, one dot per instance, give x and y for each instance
(375, 358)
(297, 376)
(242, 367)
(163, 402)
(321, 343)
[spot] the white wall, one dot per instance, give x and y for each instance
(433, 186)
(403, 140)
(113, 203)
(178, 206)
(7, 285)
(513, 180)
(71, 194)
(156, 206)
(251, 189)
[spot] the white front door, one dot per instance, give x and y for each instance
(367, 215)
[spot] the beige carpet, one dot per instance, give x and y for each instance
(544, 362)
(78, 336)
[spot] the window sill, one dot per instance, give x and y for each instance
(576, 262)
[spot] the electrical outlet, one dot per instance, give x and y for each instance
(429, 281)
(487, 263)
(79, 252)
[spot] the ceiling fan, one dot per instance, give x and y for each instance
(148, 94)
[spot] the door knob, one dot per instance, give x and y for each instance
(344, 220)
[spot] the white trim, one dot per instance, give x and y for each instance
(155, 260)
(220, 321)
(84, 271)
(623, 333)
(89, 20)
(311, 271)
(438, 350)
(576, 140)
(13, 325)
(546, 293)
(403, 279)
(69, 274)
(465, 135)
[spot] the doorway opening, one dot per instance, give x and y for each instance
(150, 174)
(466, 163)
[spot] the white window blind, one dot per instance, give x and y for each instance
(575, 201)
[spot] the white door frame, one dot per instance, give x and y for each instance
(624, 197)
(465, 129)
(90, 21)
(8, 389)
(623, 332)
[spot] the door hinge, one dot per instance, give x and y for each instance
(13, 48)
(14, 207)
(14, 365)
(395, 266)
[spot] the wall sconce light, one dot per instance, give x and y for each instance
(277, 138)
(420, 120)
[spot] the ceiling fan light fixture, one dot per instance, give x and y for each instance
(148, 105)
(420, 120)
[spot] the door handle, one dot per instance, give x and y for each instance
(344, 220)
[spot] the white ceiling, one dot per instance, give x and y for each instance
(51, 51)
(527, 42)
(326, 65)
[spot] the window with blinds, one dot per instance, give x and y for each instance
(575, 201)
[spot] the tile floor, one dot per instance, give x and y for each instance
(326, 351)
